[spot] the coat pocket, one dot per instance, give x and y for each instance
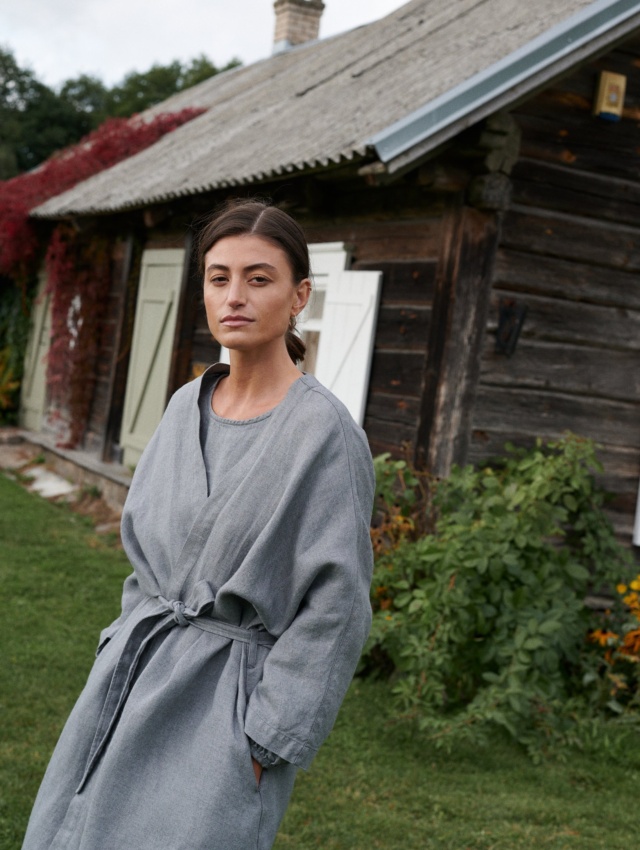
(105, 637)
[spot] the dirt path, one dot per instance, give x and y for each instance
(25, 463)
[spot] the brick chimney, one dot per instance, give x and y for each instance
(297, 21)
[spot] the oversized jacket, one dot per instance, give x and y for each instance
(243, 619)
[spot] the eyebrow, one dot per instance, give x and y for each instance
(251, 268)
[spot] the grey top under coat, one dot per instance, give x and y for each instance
(243, 619)
(222, 447)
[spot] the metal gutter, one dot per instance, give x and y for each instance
(508, 75)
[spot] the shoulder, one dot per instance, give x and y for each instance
(320, 406)
(327, 424)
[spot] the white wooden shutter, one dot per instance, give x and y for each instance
(150, 362)
(328, 258)
(34, 380)
(346, 339)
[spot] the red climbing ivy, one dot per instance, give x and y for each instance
(113, 141)
(78, 277)
(78, 264)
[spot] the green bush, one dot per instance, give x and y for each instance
(484, 620)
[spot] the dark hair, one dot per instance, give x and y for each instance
(256, 218)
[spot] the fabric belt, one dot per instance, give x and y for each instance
(167, 614)
(183, 616)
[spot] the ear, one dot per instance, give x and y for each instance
(302, 294)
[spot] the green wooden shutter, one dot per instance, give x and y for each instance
(34, 380)
(152, 346)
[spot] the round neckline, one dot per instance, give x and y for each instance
(262, 416)
(224, 421)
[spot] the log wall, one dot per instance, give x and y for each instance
(115, 337)
(570, 252)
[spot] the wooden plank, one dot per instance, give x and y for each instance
(572, 238)
(518, 271)
(190, 289)
(565, 368)
(386, 407)
(129, 274)
(558, 187)
(368, 199)
(458, 323)
(404, 283)
(161, 241)
(553, 319)
(383, 240)
(404, 328)
(593, 147)
(390, 437)
(521, 412)
(397, 372)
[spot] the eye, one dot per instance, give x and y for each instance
(259, 279)
(217, 280)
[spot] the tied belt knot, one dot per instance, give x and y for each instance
(166, 614)
(181, 614)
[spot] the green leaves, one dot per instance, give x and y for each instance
(489, 620)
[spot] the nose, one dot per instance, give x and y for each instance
(236, 293)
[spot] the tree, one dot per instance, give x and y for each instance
(89, 96)
(34, 120)
(16, 88)
(201, 68)
(141, 90)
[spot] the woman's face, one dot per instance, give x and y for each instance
(249, 293)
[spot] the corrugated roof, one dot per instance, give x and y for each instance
(319, 103)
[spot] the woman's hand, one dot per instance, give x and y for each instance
(257, 769)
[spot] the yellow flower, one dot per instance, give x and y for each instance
(602, 637)
(635, 584)
(621, 588)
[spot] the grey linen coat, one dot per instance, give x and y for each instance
(244, 617)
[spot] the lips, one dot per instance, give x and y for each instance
(235, 321)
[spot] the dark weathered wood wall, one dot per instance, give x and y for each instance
(115, 338)
(406, 251)
(570, 252)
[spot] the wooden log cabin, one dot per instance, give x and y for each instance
(451, 158)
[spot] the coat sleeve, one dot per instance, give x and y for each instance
(308, 670)
(131, 597)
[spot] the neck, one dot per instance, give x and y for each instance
(255, 384)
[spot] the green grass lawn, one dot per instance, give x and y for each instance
(375, 784)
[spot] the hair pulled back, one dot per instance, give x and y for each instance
(257, 218)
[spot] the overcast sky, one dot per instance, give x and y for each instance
(59, 39)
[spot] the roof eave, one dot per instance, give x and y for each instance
(507, 81)
(316, 166)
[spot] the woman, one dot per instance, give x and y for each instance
(247, 525)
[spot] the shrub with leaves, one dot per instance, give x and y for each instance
(485, 618)
(403, 503)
